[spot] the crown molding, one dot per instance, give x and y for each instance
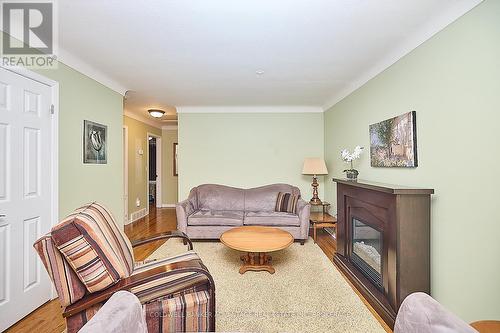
(81, 66)
(249, 109)
(170, 128)
(411, 43)
(144, 120)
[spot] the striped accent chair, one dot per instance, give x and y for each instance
(89, 258)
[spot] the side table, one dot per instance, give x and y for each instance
(321, 220)
(323, 207)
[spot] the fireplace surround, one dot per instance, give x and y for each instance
(383, 241)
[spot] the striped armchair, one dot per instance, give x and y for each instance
(89, 259)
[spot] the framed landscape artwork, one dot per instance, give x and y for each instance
(393, 142)
(94, 143)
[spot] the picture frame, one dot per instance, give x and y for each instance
(95, 143)
(393, 142)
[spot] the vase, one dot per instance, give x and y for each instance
(352, 174)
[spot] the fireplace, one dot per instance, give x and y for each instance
(366, 245)
(383, 242)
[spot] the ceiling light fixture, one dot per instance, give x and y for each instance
(156, 113)
(259, 72)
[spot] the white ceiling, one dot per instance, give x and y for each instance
(206, 53)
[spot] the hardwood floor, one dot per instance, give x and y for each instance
(48, 317)
(158, 221)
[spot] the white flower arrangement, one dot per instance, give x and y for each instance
(349, 157)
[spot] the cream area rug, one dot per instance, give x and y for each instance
(306, 294)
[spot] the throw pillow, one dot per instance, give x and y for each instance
(87, 259)
(286, 202)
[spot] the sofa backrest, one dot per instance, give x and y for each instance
(263, 198)
(220, 197)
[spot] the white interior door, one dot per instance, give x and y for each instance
(25, 193)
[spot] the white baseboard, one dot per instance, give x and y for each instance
(168, 205)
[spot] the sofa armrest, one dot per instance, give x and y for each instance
(180, 267)
(122, 313)
(419, 312)
(303, 210)
(183, 209)
(164, 236)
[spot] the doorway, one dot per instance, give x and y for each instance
(154, 178)
(28, 188)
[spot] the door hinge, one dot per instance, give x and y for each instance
(52, 109)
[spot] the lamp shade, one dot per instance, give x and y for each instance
(314, 166)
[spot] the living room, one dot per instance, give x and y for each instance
(246, 104)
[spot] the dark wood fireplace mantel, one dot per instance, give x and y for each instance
(395, 220)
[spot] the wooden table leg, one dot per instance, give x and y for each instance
(263, 263)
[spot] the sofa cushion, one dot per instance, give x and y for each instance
(264, 198)
(94, 247)
(68, 286)
(216, 217)
(271, 218)
(220, 197)
(286, 202)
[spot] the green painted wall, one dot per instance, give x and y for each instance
(247, 150)
(170, 182)
(138, 164)
(453, 82)
(81, 98)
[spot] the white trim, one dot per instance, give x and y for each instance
(249, 109)
(144, 120)
(83, 67)
(168, 205)
(411, 43)
(170, 127)
(125, 173)
(158, 171)
(159, 178)
(54, 139)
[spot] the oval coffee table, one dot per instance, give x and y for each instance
(257, 241)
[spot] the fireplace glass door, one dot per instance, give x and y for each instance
(366, 251)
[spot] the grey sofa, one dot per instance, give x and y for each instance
(212, 209)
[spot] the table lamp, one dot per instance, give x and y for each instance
(314, 166)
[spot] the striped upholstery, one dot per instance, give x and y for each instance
(148, 264)
(167, 285)
(68, 286)
(286, 202)
(87, 251)
(94, 247)
(184, 313)
(76, 322)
